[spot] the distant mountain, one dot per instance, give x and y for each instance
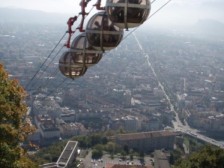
(213, 4)
(30, 16)
(208, 28)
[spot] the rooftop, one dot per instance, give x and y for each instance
(67, 153)
(144, 135)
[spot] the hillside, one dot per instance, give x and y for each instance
(31, 16)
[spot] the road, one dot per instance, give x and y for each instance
(177, 124)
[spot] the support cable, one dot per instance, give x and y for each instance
(70, 23)
(49, 65)
(27, 85)
(122, 40)
(160, 8)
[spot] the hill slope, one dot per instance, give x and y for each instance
(30, 16)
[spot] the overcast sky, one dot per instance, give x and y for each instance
(177, 11)
(68, 6)
(59, 6)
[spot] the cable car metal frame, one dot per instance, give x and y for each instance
(75, 62)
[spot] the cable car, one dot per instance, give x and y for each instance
(81, 50)
(101, 33)
(72, 66)
(128, 13)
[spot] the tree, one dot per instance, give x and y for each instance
(96, 154)
(14, 125)
(131, 156)
(126, 149)
(111, 147)
(207, 157)
(123, 155)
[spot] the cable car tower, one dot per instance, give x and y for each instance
(104, 31)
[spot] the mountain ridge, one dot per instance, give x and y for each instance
(31, 16)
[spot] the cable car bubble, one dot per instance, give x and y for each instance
(84, 52)
(71, 66)
(101, 33)
(128, 13)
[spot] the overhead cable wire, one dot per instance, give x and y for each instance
(26, 87)
(55, 72)
(160, 8)
(147, 18)
(51, 60)
(90, 10)
(122, 40)
(153, 1)
(52, 74)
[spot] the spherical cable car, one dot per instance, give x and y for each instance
(72, 66)
(101, 33)
(84, 52)
(128, 13)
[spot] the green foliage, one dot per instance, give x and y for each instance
(14, 126)
(121, 131)
(96, 154)
(131, 157)
(186, 142)
(195, 144)
(123, 155)
(175, 155)
(111, 147)
(126, 149)
(142, 155)
(84, 141)
(207, 157)
(91, 141)
(99, 147)
(112, 156)
(49, 154)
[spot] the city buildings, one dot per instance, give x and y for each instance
(147, 141)
(122, 84)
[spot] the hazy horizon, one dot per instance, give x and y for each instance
(177, 12)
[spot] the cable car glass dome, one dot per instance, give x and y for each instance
(128, 13)
(83, 52)
(101, 33)
(71, 66)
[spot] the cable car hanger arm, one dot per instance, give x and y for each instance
(83, 5)
(70, 23)
(98, 5)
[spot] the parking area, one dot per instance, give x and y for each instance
(88, 162)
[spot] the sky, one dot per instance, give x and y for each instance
(177, 11)
(58, 6)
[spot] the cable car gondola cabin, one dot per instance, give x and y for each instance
(72, 66)
(128, 13)
(101, 33)
(81, 49)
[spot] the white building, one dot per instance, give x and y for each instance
(49, 131)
